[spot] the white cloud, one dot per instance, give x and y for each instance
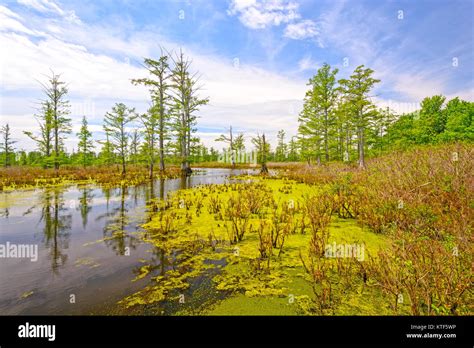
(301, 30)
(349, 29)
(12, 22)
(262, 14)
(89, 75)
(399, 107)
(8, 13)
(49, 6)
(307, 63)
(249, 98)
(417, 86)
(42, 5)
(408, 77)
(465, 94)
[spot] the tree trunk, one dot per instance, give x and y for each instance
(185, 170)
(56, 150)
(232, 148)
(341, 145)
(162, 188)
(162, 157)
(162, 131)
(152, 156)
(264, 169)
(187, 147)
(361, 149)
(56, 136)
(6, 153)
(150, 173)
(347, 141)
(326, 145)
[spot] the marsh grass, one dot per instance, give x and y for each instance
(13, 178)
(422, 200)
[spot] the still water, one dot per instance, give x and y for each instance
(82, 266)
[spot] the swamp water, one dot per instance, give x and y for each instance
(88, 244)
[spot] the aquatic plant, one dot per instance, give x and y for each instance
(238, 212)
(214, 205)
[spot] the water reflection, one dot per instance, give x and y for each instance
(56, 219)
(162, 188)
(5, 213)
(85, 201)
(116, 231)
(83, 235)
(185, 182)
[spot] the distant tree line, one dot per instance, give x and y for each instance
(338, 122)
(167, 128)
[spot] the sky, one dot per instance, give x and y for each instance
(254, 57)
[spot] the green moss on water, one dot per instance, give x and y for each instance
(242, 305)
(193, 233)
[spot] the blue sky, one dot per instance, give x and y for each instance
(254, 57)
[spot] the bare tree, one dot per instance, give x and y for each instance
(263, 148)
(236, 144)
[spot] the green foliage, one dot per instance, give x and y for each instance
(341, 122)
(186, 103)
(86, 145)
(459, 126)
(358, 102)
(281, 149)
(435, 122)
(157, 120)
(432, 119)
(115, 123)
(318, 117)
(58, 106)
(6, 146)
(44, 140)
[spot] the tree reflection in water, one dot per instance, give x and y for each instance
(85, 201)
(116, 234)
(57, 226)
